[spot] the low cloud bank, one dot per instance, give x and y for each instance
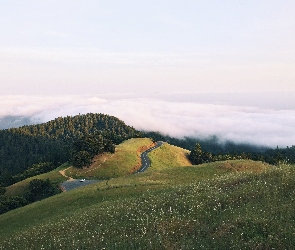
(258, 125)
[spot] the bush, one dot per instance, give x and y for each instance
(40, 189)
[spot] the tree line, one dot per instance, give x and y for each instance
(86, 147)
(212, 144)
(272, 156)
(215, 149)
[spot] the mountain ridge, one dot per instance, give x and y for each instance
(22, 147)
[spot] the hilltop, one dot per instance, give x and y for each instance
(124, 162)
(53, 141)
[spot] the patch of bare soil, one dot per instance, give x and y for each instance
(63, 173)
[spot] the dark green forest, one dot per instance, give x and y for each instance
(272, 156)
(56, 142)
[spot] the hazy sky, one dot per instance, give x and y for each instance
(57, 47)
(189, 67)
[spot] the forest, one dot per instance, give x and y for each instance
(23, 149)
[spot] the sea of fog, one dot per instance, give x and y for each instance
(261, 118)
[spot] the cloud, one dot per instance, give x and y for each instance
(186, 118)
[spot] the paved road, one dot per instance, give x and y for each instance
(145, 160)
(76, 183)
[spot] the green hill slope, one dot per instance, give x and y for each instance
(233, 204)
(124, 161)
(19, 187)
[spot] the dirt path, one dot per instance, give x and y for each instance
(63, 173)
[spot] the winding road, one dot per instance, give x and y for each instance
(75, 183)
(145, 160)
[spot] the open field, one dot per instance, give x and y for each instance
(232, 204)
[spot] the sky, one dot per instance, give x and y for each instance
(228, 58)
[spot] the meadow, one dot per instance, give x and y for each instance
(168, 156)
(220, 205)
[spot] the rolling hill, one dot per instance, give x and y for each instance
(232, 204)
(53, 141)
(125, 161)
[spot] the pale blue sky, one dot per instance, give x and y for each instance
(93, 47)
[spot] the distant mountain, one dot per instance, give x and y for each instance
(15, 121)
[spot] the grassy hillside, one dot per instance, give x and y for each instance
(105, 166)
(168, 156)
(221, 205)
(124, 161)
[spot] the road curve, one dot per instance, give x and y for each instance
(145, 160)
(75, 183)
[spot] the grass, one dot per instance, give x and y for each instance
(221, 205)
(124, 161)
(20, 187)
(236, 204)
(168, 156)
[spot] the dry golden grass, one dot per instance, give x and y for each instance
(168, 156)
(242, 166)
